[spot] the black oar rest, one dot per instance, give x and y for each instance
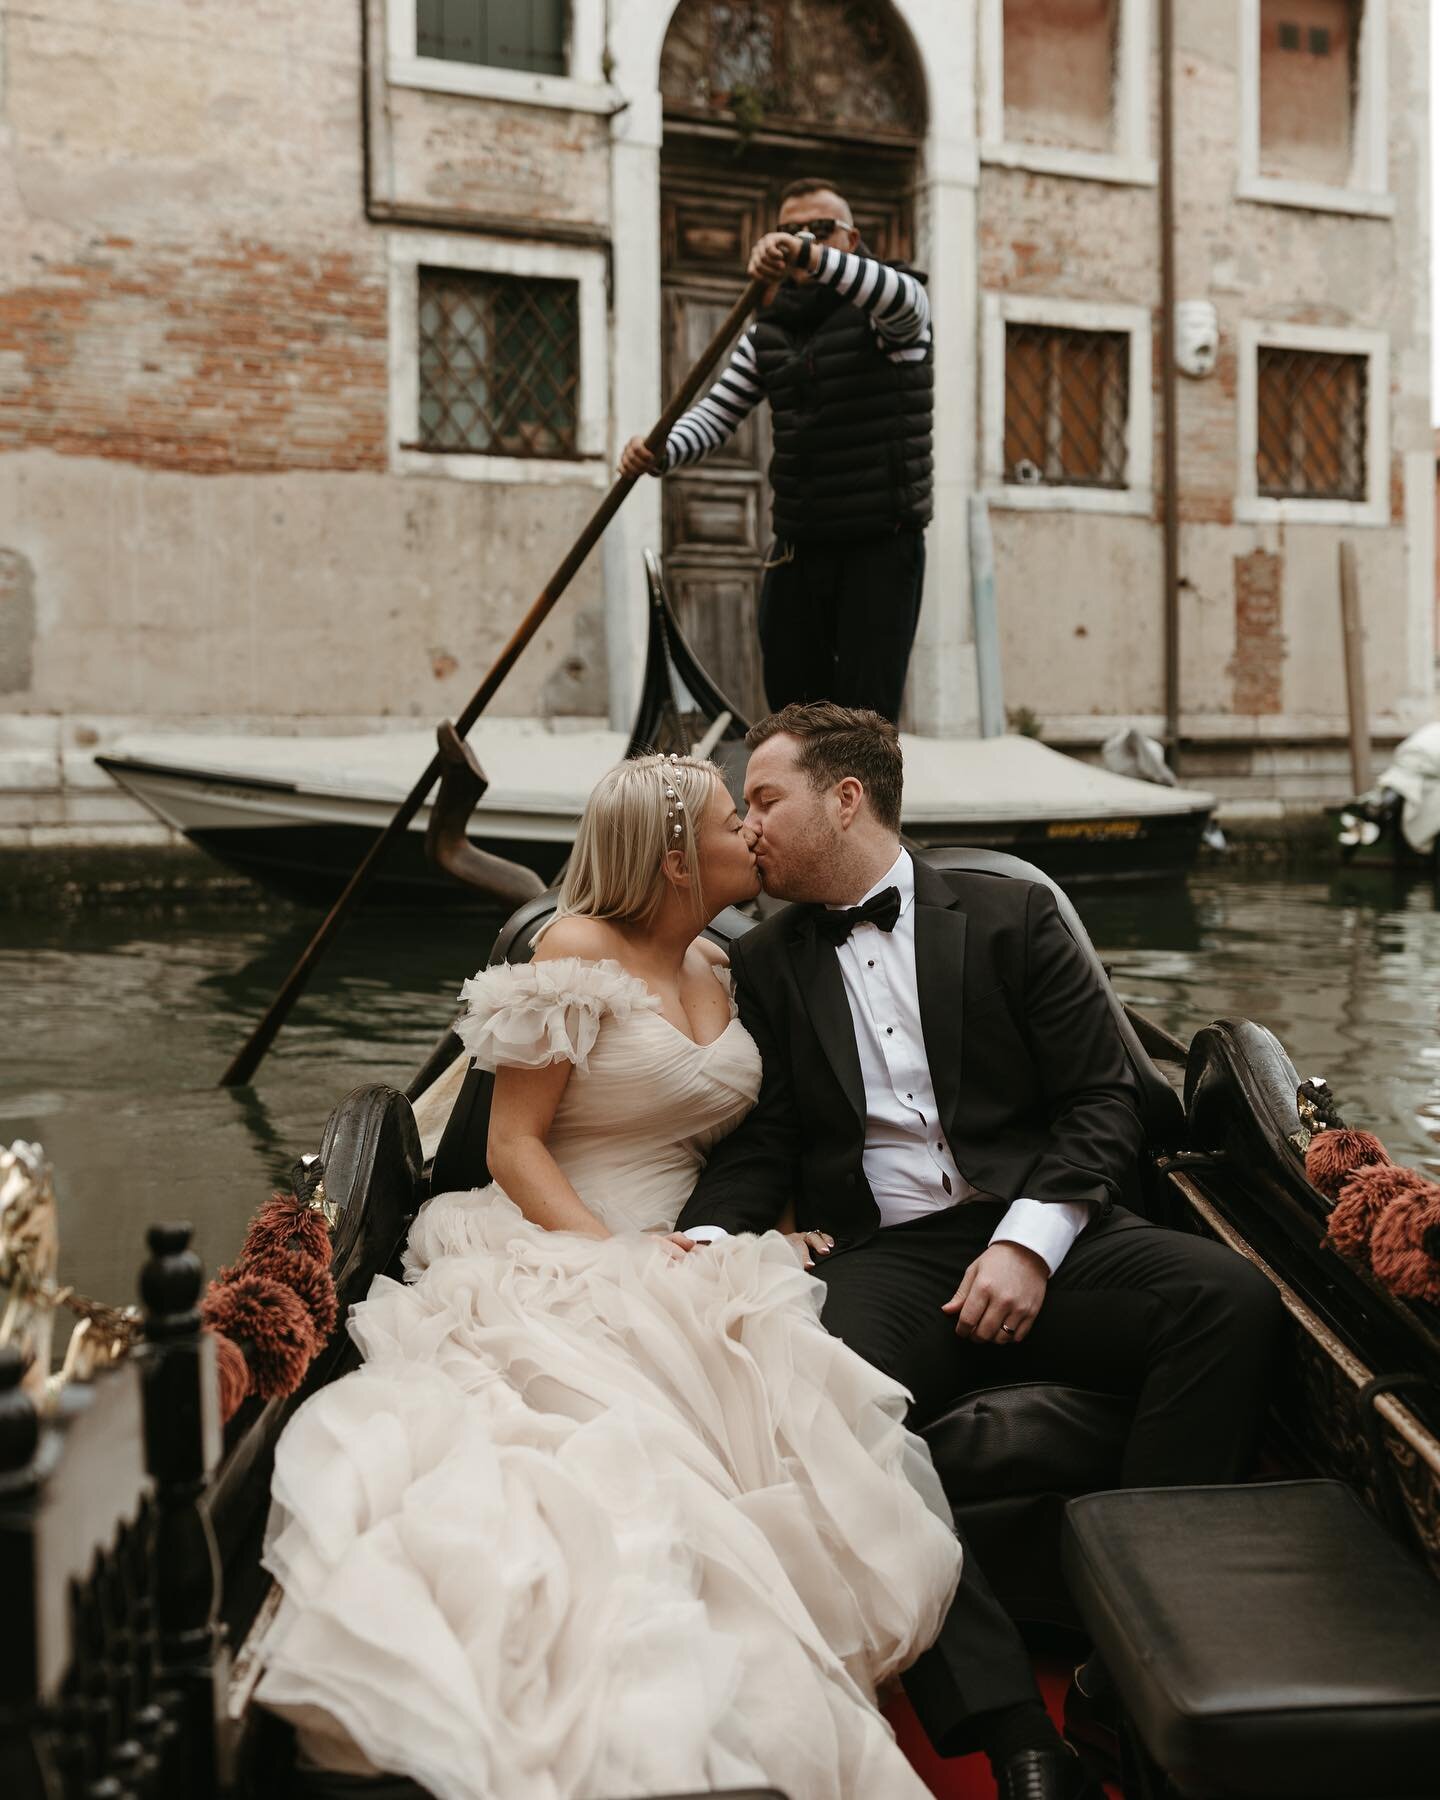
(1009, 1457)
(1265, 1640)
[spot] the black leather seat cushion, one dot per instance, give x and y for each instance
(1266, 1640)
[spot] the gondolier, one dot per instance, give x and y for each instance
(841, 349)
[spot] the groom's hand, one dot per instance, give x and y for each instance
(1004, 1286)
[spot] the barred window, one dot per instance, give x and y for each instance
(506, 34)
(1067, 400)
(499, 364)
(1310, 438)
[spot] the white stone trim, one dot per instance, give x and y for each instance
(1130, 162)
(1367, 192)
(942, 691)
(498, 257)
(1253, 508)
(1137, 495)
(1420, 575)
(583, 89)
(1269, 730)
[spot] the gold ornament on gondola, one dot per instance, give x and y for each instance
(29, 1292)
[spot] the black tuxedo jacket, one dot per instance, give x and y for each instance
(1035, 1090)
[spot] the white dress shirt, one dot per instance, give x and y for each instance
(907, 1162)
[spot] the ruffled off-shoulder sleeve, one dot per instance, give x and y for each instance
(525, 1015)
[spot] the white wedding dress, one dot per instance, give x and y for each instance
(591, 1522)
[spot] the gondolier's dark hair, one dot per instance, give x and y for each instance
(810, 184)
(836, 741)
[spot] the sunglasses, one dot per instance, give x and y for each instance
(819, 229)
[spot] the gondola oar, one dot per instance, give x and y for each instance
(248, 1058)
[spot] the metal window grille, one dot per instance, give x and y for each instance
(506, 34)
(1310, 437)
(499, 364)
(1067, 404)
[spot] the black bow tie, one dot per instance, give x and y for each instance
(881, 909)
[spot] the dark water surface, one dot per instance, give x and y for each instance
(115, 1024)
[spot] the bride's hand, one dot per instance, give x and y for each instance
(806, 1241)
(675, 1244)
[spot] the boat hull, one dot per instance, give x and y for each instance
(306, 846)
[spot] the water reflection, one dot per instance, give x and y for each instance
(118, 1023)
(1346, 972)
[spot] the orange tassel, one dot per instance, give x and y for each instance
(270, 1326)
(285, 1227)
(234, 1373)
(1363, 1198)
(1334, 1156)
(1405, 1244)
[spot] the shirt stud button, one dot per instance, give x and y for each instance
(889, 1031)
(871, 963)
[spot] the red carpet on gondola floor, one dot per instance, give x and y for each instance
(968, 1777)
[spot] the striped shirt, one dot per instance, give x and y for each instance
(899, 314)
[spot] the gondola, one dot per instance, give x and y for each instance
(142, 1567)
(298, 813)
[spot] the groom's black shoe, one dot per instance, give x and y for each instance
(1046, 1775)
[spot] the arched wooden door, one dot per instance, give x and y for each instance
(758, 95)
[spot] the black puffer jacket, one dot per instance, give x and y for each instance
(853, 428)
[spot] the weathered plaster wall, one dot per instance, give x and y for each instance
(492, 157)
(1081, 595)
(197, 518)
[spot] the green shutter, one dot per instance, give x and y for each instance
(507, 34)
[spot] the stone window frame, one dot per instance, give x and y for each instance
(1137, 495)
(496, 256)
(1131, 163)
(1368, 191)
(1255, 508)
(584, 89)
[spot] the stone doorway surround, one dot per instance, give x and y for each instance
(942, 695)
(716, 198)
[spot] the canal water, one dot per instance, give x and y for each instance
(116, 1021)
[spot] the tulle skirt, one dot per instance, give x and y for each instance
(591, 1522)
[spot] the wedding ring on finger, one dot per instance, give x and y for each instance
(1009, 1330)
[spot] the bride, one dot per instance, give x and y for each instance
(605, 1512)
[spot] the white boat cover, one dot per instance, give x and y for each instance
(1415, 776)
(536, 769)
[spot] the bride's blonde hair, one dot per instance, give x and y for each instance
(636, 812)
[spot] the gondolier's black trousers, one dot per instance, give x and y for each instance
(1184, 1325)
(837, 620)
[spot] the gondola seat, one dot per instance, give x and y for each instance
(1267, 1640)
(1011, 1456)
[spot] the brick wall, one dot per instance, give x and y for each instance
(198, 518)
(239, 354)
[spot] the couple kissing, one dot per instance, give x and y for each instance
(626, 1496)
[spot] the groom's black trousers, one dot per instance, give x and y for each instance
(1183, 1324)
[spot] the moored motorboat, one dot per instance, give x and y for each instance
(298, 813)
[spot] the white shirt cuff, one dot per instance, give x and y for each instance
(1048, 1227)
(706, 1234)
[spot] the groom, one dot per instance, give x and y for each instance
(947, 1098)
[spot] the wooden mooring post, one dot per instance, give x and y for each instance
(1352, 628)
